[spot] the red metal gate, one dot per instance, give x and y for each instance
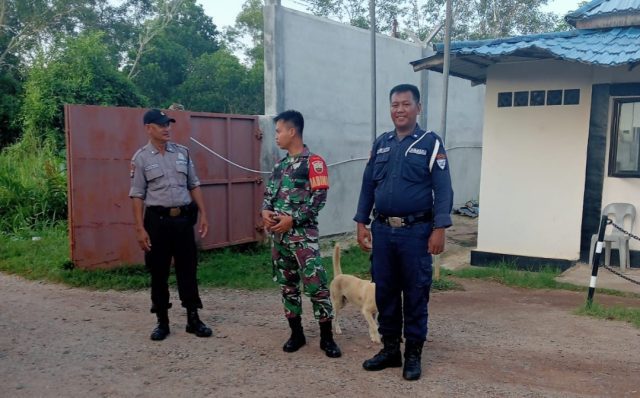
(100, 143)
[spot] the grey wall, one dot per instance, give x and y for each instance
(322, 68)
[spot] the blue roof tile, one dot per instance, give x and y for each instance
(607, 47)
(599, 8)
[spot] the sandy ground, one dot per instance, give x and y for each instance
(487, 340)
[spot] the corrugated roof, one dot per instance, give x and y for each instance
(608, 47)
(605, 47)
(602, 8)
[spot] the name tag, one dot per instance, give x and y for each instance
(383, 150)
(418, 151)
(151, 166)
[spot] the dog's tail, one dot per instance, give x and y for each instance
(337, 269)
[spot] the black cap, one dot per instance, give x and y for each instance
(156, 116)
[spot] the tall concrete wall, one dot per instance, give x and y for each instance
(322, 68)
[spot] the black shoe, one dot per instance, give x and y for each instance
(388, 357)
(160, 332)
(297, 338)
(412, 360)
(327, 344)
(195, 325)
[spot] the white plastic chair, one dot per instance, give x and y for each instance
(617, 212)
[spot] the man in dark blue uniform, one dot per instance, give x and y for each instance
(407, 179)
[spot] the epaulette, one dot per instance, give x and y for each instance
(133, 158)
(186, 148)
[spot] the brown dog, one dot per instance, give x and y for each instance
(350, 289)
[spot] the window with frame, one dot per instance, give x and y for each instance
(624, 157)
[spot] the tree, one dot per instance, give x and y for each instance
(166, 58)
(10, 103)
(218, 82)
(483, 19)
(472, 19)
(79, 73)
(356, 12)
(29, 24)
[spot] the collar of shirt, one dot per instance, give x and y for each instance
(169, 147)
(305, 153)
(417, 132)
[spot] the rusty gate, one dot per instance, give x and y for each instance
(100, 144)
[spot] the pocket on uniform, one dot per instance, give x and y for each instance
(380, 166)
(182, 169)
(152, 175)
(414, 168)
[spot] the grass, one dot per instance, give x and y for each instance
(249, 267)
(241, 267)
(618, 313)
(507, 274)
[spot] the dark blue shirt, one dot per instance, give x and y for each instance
(398, 181)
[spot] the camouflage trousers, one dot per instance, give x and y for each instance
(297, 257)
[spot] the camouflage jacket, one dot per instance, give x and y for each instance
(298, 187)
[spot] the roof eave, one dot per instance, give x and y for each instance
(604, 21)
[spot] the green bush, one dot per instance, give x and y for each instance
(33, 186)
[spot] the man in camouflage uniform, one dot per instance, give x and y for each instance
(295, 194)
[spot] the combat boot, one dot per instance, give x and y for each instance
(326, 341)
(195, 325)
(412, 360)
(388, 357)
(161, 330)
(297, 338)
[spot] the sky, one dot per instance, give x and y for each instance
(224, 12)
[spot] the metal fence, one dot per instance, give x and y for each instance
(100, 144)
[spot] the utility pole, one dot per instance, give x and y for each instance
(372, 25)
(445, 71)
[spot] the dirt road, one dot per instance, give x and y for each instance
(486, 341)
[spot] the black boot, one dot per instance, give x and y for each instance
(161, 330)
(297, 338)
(326, 341)
(412, 360)
(388, 357)
(195, 325)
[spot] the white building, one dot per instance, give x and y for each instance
(561, 133)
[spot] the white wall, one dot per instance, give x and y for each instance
(322, 68)
(533, 163)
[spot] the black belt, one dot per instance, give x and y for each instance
(171, 211)
(411, 219)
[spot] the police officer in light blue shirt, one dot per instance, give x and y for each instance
(167, 198)
(407, 184)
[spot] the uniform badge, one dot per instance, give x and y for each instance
(180, 156)
(132, 169)
(318, 166)
(318, 176)
(441, 159)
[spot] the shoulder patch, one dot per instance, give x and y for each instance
(318, 173)
(133, 158)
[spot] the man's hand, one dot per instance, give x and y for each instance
(203, 227)
(436, 241)
(268, 219)
(284, 223)
(364, 237)
(143, 239)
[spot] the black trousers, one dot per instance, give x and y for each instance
(171, 237)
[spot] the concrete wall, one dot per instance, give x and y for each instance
(322, 68)
(533, 163)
